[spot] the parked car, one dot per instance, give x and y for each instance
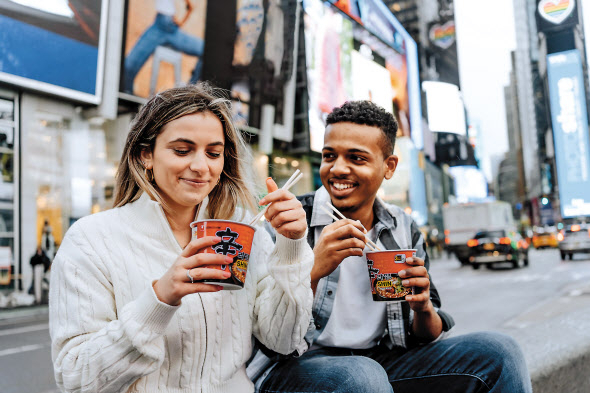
(574, 239)
(490, 247)
(545, 238)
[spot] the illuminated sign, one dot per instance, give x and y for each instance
(442, 36)
(555, 11)
(570, 131)
(54, 47)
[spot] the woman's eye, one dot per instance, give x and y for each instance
(357, 158)
(214, 154)
(328, 156)
(181, 152)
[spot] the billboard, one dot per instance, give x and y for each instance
(54, 47)
(445, 108)
(164, 41)
(569, 119)
(470, 183)
(378, 70)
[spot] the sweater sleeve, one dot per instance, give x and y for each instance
(282, 307)
(95, 347)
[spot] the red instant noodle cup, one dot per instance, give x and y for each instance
(236, 242)
(384, 266)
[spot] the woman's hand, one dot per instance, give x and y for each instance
(175, 283)
(285, 214)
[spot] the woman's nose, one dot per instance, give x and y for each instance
(199, 162)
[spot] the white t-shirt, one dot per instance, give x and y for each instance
(356, 321)
(165, 7)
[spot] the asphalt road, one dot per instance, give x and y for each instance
(545, 307)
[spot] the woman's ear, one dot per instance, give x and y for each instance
(146, 158)
(391, 164)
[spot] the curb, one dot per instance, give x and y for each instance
(23, 314)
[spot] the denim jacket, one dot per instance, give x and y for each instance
(396, 230)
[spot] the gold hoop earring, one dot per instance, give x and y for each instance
(148, 174)
(218, 180)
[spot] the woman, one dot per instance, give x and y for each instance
(124, 314)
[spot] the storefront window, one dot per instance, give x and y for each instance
(71, 178)
(7, 190)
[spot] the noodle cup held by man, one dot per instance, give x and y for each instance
(384, 266)
(236, 242)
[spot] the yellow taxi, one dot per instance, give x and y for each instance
(545, 238)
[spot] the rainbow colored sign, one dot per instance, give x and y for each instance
(442, 36)
(556, 11)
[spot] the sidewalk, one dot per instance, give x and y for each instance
(16, 315)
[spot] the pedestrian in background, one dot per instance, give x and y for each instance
(127, 309)
(358, 345)
(47, 240)
(40, 264)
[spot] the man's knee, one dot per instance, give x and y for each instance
(361, 374)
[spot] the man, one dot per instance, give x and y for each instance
(357, 345)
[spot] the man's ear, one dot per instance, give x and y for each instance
(391, 164)
(146, 158)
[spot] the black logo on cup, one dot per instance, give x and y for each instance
(227, 245)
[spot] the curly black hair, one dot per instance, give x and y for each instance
(370, 114)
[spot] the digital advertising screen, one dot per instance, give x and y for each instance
(570, 131)
(164, 42)
(54, 46)
(379, 70)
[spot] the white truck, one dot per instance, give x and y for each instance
(462, 221)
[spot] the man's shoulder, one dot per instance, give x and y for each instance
(398, 214)
(307, 199)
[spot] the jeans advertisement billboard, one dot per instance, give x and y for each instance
(54, 47)
(163, 45)
(570, 131)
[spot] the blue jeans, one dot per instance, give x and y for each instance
(163, 32)
(477, 362)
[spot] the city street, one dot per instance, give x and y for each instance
(529, 304)
(25, 355)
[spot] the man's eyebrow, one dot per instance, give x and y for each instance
(358, 151)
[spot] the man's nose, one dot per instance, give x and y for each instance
(340, 166)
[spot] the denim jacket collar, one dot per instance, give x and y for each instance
(320, 218)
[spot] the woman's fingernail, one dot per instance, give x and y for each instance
(405, 283)
(229, 259)
(219, 287)
(226, 274)
(401, 273)
(262, 202)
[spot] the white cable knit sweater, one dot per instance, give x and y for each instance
(110, 333)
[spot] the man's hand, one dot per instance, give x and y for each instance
(427, 323)
(338, 241)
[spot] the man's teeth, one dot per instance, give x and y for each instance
(339, 186)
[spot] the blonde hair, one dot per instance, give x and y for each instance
(231, 191)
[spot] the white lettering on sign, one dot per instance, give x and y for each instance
(567, 105)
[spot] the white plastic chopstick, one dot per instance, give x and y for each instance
(295, 177)
(372, 246)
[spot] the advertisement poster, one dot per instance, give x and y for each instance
(163, 44)
(378, 70)
(569, 118)
(55, 47)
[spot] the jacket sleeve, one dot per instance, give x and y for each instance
(95, 347)
(283, 297)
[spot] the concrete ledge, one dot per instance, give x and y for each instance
(572, 376)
